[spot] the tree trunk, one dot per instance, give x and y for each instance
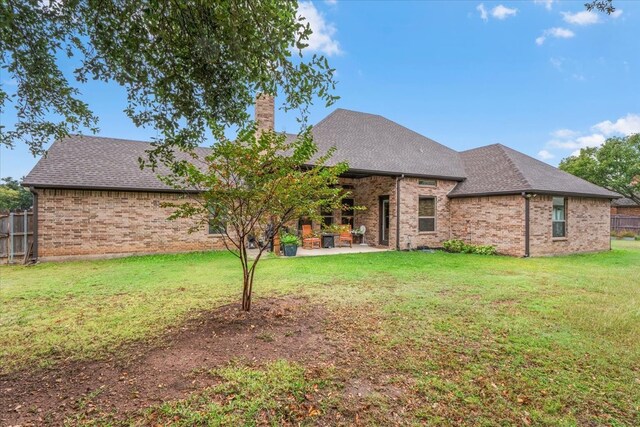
(246, 293)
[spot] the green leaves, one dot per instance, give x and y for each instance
(615, 165)
(188, 67)
(13, 196)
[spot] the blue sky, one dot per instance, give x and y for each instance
(543, 77)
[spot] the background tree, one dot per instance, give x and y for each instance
(187, 65)
(604, 6)
(254, 186)
(614, 165)
(13, 196)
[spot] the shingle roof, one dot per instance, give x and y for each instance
(370, 143)
(496, 169)
(373, 143)
(96, 162)
(625, 201)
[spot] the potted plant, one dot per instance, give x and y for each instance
(290, 242)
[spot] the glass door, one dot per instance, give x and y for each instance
(384, 220)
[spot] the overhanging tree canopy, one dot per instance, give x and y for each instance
(188, 65)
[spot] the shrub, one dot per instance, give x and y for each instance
(454, 246)
(628, 233)
(458, 246)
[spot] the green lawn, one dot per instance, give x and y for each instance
(491, 340)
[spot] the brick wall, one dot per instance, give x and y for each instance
(366, 193)
(588, 226)
(75, 222)
(625, 210)
(495, 220)
(410, 192)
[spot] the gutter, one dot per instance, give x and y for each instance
(532, 191)
(398, 179)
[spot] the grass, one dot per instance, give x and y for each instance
(470, 339)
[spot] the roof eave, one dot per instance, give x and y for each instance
(530, 191)
(399, 173)
(106, 188)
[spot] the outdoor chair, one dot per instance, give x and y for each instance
(345, 236)
(309, 241)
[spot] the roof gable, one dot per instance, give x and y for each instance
(497, 169)
(97, 163)
(369, 142)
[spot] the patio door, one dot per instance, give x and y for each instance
(383, 221)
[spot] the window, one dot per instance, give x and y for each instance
(559, 223)
(427, 214)
(216, 226)
(327, 216)
(347, 212)
(427, 182)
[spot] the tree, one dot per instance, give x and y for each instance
(614, 165)
(255, 186)
(604, 6)
(13, 196)
(187, 65)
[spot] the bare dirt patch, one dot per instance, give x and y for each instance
(283, 328)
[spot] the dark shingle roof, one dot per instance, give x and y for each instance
(625, 201)
(96, 162)
(372, 143)
(496, 169)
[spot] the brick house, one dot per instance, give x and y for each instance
(92, 199)
(625, 206)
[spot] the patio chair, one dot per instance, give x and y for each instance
(345, 236)
(309, 241)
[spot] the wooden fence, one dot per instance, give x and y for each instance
(16, 237)
(625, 223)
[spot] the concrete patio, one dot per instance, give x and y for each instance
(356, 249)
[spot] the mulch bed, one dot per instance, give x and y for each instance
(289, 328)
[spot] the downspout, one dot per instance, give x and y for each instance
(398, 178)
(35, 222)
(526, 224)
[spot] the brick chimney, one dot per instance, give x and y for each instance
(265, 114)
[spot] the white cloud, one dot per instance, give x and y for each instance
(545, 155)
(616, 14)
(581, 18)
(322, 39)
(547, 3)
(502, 12)
(626, 125)
(564, 133)
(556, 32)
(483, 12)
(567, 139)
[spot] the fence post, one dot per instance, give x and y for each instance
(25, 238)
(10, 238)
